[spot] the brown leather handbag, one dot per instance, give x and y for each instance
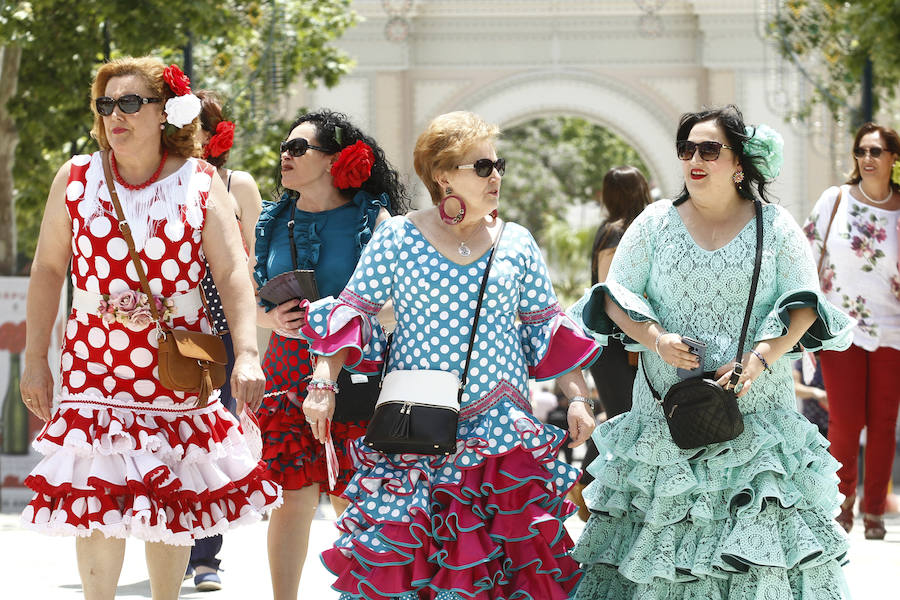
(189, 361)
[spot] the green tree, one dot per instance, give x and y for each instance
(830, 41)
(251, 51)
(552, 164)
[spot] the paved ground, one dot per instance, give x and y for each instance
(38, 567)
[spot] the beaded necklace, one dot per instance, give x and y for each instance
(140, 186)
(873, 200)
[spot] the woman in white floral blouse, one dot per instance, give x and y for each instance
(855, 227)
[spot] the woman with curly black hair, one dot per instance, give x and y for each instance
(336, 188)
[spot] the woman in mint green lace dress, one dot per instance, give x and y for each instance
(747, 518)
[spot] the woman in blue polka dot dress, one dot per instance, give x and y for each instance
(486, 521)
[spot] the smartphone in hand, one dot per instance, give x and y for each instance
(698, 349)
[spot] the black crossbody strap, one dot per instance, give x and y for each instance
(487, 270)
(290, 227)
(757, 265)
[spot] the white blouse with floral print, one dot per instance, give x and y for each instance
(859, 272)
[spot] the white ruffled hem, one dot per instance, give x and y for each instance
(138, 528)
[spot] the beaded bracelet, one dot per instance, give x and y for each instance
(763, 360)
(323, 384)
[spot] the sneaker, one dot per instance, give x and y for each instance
(189, 572)
(207, 582)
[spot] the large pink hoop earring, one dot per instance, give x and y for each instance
(460, 215)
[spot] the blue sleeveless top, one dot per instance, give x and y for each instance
(329, 242)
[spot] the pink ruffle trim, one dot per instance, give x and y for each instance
(350, 335)
(497, 533)
(568, 349)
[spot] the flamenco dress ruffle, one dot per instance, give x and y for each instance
(485, 522)
(751, 518)
(161, 473)
(292, 455)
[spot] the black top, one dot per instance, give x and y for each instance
(608, 236)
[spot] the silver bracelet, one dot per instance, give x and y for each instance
(585, 399)
(657, 341)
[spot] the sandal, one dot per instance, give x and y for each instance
(845, 518)
(874, 525)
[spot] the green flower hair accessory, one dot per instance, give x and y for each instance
(766, 147)
(895, 174)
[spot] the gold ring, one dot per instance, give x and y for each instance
(28, 400)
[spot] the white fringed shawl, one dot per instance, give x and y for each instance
(155, 206)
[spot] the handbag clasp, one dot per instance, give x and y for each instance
(736, 373)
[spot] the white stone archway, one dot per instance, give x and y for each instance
(516, 60)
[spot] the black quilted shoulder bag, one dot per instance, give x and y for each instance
(698, 410)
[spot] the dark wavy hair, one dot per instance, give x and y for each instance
(730, 119)
(383, 180)
(891, 144)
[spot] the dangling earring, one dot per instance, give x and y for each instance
(738, 177)
(494, 214)
(446, 218)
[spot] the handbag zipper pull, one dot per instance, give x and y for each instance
(401, 427)
(672, 412)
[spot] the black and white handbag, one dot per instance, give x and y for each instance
(418, 409)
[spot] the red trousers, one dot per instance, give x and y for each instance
(863, 391)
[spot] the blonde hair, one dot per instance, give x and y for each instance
(180, 142)
(443, 144)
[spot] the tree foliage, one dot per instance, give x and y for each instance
(554, 164)
(251, 51)
(831, 40)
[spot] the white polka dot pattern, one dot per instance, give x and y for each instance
(434, 299)
(107, 358)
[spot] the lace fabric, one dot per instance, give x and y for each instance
(744, 518)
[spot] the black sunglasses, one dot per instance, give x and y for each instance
(874, 152)
(708, 150)
(485, 166)
(298, 147)
(128, 104)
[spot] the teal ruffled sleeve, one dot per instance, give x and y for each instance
(626, 284)
(798, 287)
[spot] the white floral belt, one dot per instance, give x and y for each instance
(132, 309)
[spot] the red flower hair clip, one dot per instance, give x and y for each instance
(222, 141)
(177, 80)
(353, 166)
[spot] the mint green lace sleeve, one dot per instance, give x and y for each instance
(626, 284)
(797, 287)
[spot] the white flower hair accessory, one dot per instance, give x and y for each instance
(766, 147)
(185, 106)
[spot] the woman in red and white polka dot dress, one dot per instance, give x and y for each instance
(124, 456)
